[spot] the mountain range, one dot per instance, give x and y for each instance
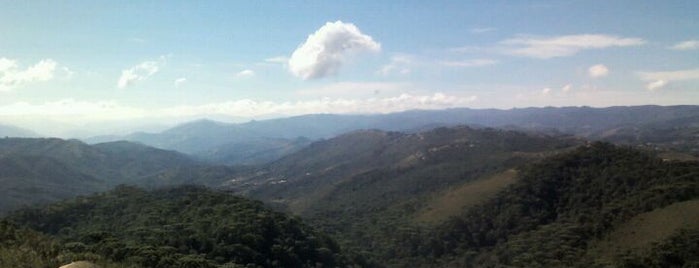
(40, 170)
(258, 142)
(535, 193)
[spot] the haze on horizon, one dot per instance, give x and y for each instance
(98, 67)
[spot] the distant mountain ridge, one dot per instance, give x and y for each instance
(277, 137)
(40, 170)
(12, 131)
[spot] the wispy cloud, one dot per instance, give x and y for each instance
(179, 81)
(567, 88)
(245, 73)
(326, 50)
(277, 60)
(345, 89)
(480, 30)
(546, 91)
(11, 76)
(655, 85)
(469, 63)
(686, 45)
(658, 80)
(562, 46)
(77, 111)
(399, 64)
(597, 71)
(139, 72)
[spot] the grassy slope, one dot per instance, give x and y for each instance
(453, 201)
(646, 229)
(560, 205)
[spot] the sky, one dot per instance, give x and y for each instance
(80, 68)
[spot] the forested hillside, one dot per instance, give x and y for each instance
(446, 197)
(484, 197)
(562, 209)
(176, 227)
(34, 171)
(404, 165)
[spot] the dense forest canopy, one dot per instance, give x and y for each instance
(179, 227)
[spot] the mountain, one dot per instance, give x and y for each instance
(27, 180)
(362, 186)
(597, 206)
(316, 170)
(217, 142)
(175, 227)
(48, 169)
(11, 131)
(200, 138)
(466, 197)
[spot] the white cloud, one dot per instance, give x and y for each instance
(326, 50)
(681, 75)
(469, 63)
(345, 89)
(657, 80)
(686, 45)
(561, 46)
(653, 86)
(81, 112)
(399, 64)
(567, 88)
(481, 30)
(11, 76)
(597, 71)
(137, 73)
(245, 73)
(180, 81)
(546, 91)
(278, 60)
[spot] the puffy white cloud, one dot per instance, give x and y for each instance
(469, 63)
(686, 45)
(658, 80)
(137, 73)
(180, 81)
(399, 64)
(655, 85)
(546, 91)
(566, 45)
(597, 71)
(245, 73)
(326, 50)
(12, 76)
(7, 64)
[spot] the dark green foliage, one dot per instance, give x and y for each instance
(560, 204)
(365, 187)
(20, 247)
(181, 227)
(38, 171)
(680, 250)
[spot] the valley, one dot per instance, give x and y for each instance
(441, 195)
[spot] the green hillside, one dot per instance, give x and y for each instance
(177, 227)
(560, 207)
(366, 187)
(467, 197)
(38, 171)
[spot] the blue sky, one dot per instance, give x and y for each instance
(121, 65)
